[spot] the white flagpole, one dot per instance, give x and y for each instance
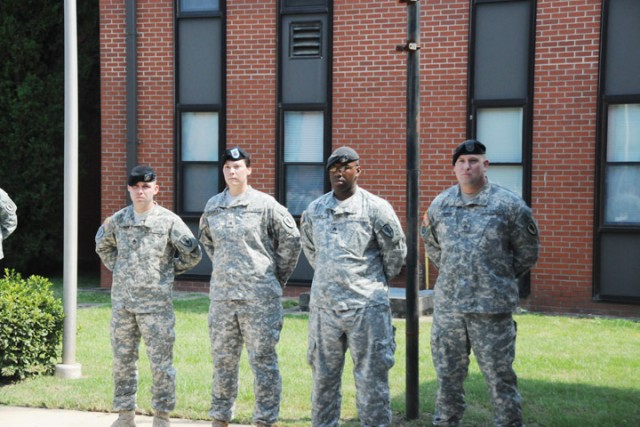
(69, 368)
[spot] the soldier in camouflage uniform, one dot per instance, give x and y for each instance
(482, 238)
(254, 244)
(8, 218)
(144, 245)
(354, 242)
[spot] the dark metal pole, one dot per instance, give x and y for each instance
(132, 84)
(413, 205)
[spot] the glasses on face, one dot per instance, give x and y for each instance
(341, 169)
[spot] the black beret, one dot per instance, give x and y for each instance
(470, 146)
(235, 153)
(141, 173)
(342, 155)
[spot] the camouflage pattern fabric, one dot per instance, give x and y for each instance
(258, 324)
(8, 218)
(254, 245)
(157, 330)
(480, 247)
(370, 337)
(492, 338)
(355, 248)
(144, 257)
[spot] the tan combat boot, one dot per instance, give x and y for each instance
(125, 419)
(161, 419)
(218, 423)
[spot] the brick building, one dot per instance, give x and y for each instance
(551, 87)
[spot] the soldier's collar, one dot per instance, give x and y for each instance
(344, 206)
(481, 199)
(240, 200)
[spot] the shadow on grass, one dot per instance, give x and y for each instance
(548, 404)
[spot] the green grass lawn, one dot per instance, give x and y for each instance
(572, 371)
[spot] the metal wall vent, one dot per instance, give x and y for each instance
(305, 40)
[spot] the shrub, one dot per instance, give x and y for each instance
(32, 321)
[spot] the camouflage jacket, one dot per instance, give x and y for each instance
(355, 248)
(253, 243)
(145, 257)
(480, 248)
(8, 218)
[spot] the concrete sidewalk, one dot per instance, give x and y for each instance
(12, 416)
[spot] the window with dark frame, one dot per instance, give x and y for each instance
(199, 110)
(304, 105)
(501, 88)
(501, 92)
(198, 5)
(617, 231)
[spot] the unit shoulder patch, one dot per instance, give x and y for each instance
(387, 230)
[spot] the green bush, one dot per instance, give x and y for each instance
(32, 320)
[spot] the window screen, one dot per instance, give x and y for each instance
(502, 50)
(199, 5)
(623, 36)
(199, 61)
(304, 3)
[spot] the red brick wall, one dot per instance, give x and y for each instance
(156, 85)
(566, 73)
(443, 57)
(155, 97)
(369, 84)
(113, 113)
(251, 86)
(564, 135)
(113, 110)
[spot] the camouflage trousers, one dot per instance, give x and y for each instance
(256, 324)
(157, 330)
(492, 338)
(370, 337)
